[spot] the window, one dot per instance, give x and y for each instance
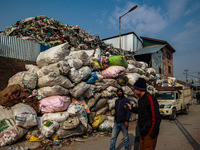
(169, 69)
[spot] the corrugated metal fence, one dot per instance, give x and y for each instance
(19, 49)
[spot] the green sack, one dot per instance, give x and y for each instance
(117, 61)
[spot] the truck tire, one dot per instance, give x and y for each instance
(173, 115)
(185, 111)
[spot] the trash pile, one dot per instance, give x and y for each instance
(68, 95)
(50, 32)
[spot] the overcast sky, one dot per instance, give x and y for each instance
(174, 21)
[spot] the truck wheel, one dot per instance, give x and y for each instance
(185, 111)
(173, 115)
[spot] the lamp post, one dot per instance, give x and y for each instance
(120, 25)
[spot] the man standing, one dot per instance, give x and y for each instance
(149, 118)
(122, 116)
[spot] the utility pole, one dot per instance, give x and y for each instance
(186, 76)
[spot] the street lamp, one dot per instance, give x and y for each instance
(120, 25)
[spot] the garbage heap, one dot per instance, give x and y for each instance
(63, 96)
(50, 32)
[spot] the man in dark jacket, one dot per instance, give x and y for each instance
(122, 116)
(149, 118)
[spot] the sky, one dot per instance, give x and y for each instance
(174, 21)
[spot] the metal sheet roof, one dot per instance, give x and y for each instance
(149, 49)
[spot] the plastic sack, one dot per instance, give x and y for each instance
(82, 103)
(25, 79)
(52, 91)
(104, 62)
(48, 128)
(83, 56)
(142, 65)
(54, 79)
(122, 80)
(99, 103)
(30, 67)
(75, 63)
(97, 121)
(75, 76)
(52, 55)
(113, 72)
(107, 124)
(79, 89)
(68, 133)
(132, 78)
(132, 69)
(127, 90)
(85, 72)
(111, 103)
(71, 123)
(58, 117)
(88, 93)
(78, 110)
(102, 111)
(9, 131)
(60, 67)
(118, 61)
(54, 104)
(97, 55)
(92, 78)
(25, 116)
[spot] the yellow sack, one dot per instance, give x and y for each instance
(97, 121)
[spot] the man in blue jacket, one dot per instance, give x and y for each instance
(122, 116)
(149, 118)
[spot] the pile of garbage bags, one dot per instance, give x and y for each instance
(67, 95)
(51, 32)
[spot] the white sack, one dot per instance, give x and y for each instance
(107, 124)
(31, 67)
(132, 78)
(132, 69)
(60, 67)
(58, 117)
(82, 55)
(52, 91)
(54, 79)
(79, 89)
(25, 79)
(48, 128)
(78, 110)
(25, 116)
(52, 55)
(75, 63)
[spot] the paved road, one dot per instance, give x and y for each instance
(183, 134)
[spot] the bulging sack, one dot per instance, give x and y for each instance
(58, 117)
(54, 104)
(52, 55)
(52, 91)
(54, 79)
(48, 128)
(25, 116)
(61, 67)
(113, 72)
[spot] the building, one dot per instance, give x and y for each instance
(158, 54)
(129, 42)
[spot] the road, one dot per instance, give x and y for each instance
(183, 133)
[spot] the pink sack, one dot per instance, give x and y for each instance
(113, 72)
(54, 104)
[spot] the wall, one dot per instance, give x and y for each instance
(167, 62)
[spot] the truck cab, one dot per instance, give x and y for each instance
(173, 100)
